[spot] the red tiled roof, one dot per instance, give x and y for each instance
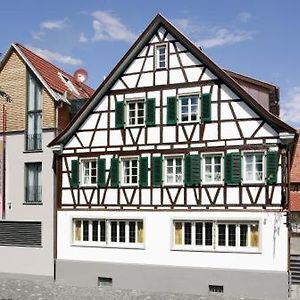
(49, 72)
(295, 171)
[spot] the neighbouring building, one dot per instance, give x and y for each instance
(41, 106)
(294, 215)
(174, 177)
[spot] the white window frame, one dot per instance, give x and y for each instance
(82, 172)
(244, 153)
(108, 241)
(215, 236)
(122, 171)
(135, 101)
(165, 174)
(213, 182)
(180, 97)
(157, 56)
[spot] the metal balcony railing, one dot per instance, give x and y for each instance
(34, 141)
(34, 193)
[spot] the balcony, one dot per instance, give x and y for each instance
(33, 194)
(33, 141)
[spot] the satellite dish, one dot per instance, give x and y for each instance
(81, 75)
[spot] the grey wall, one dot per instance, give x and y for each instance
(33, 261)
(237, 283)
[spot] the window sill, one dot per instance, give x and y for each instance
(32, 203)
(251, 183)
(33, 151)
(212, 183)
(88, 186)
(123, 185)
(111, 246)
(210, 250)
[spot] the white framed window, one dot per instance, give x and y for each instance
(88, 171)
(135, 112)
(106, 232)
(215, 235)
(212, 168)
(189, 108)
(129, 171)
(173, 170)
(253, 166)
(161, 56)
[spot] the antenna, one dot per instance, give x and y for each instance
(81, 76)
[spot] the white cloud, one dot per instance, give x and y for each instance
(290, 108)
(37, 35)
(107, 27)
(83, 38)
(54, 24)
(55, 56)
(244, 17)
(224, 36)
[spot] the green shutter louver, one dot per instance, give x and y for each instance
(192, 170)
(272, 167)
(143, 171)
(119, 114)
(156, 171)
(150, 112)
(101, 172)
(114, 172)
(75, 173)
(171, 110)
(206, 108)
(233, 168)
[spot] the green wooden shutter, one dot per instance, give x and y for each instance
(272, 167)
(101, 172)
(143, 170)
(150, 112)
(206, 108)
(156, 171)
(192, 170)
(75, 173)
(233, 168)
(119, 115)
(187, 170)
(171, 110)
(114, 172)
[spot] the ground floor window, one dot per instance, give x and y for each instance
(127, 233)
(216, 235)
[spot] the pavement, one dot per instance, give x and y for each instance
(34, 289)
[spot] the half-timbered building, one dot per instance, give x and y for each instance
(174, 178)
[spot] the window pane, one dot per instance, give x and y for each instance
(243, 235)
(85, 230)
(102, 231)
(113, 231)
(254, 237)
(95, 231)
(140, 232)
(187, 233)
(208, 234)
(221, 234)
(122, 236)
(178, 233)
(131, 232)
(199, 238)
(231, 235)
(77, 230)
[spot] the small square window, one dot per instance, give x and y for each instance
(212, 169)
(254, 167)
(89, 172)
(135, 113)
(129, 171)
(174, 170)
(189, 108)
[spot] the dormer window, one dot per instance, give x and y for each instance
(68, 83)
(161, 56)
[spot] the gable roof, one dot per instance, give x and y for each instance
(48, 74)
(155, 24)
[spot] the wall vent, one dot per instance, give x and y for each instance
(104, 281)
(216, 289)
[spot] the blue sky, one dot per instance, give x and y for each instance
(257, 38)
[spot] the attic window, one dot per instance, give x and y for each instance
(161, 56)
(68, 83)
